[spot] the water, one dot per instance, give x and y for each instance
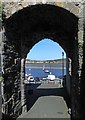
(39, 72)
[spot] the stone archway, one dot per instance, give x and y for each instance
(39, 20)
(28, 26)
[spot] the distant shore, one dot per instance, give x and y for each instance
(57, 61)
(45, 67)
(49, 64)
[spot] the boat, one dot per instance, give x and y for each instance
(29, 69)
(46, 71)
(29, 79)
(43, 66)
(51, 77)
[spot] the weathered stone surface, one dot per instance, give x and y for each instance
(12, 6)
(27, 27)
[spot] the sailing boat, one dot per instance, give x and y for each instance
(45, 70)
(43, 66)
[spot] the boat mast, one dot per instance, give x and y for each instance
(43, 65)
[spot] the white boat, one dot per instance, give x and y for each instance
(29, 79)
(46, 71)
(29, 69)
(51, 77)
(43, 66)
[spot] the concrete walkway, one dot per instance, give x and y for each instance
(48, 103)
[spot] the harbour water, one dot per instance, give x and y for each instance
(39, 72)
(37, 69)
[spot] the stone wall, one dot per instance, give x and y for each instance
(13, 69)
(10, 7)
(11, 98)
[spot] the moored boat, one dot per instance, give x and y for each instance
(46, 71)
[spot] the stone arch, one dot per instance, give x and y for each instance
(30, 25)
(11, 7)
(39, 21)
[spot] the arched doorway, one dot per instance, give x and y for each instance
(49, 55)
(28, 26)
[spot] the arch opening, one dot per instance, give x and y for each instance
(46, 51)
(36, 67)
(48, 46)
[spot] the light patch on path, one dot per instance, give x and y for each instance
(48, 107)
(48, 86)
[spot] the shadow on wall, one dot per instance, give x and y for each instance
(83, 82)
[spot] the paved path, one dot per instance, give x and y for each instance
(46, 102)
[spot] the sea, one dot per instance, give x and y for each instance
(40, 72)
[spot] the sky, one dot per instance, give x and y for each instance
(46, 49)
